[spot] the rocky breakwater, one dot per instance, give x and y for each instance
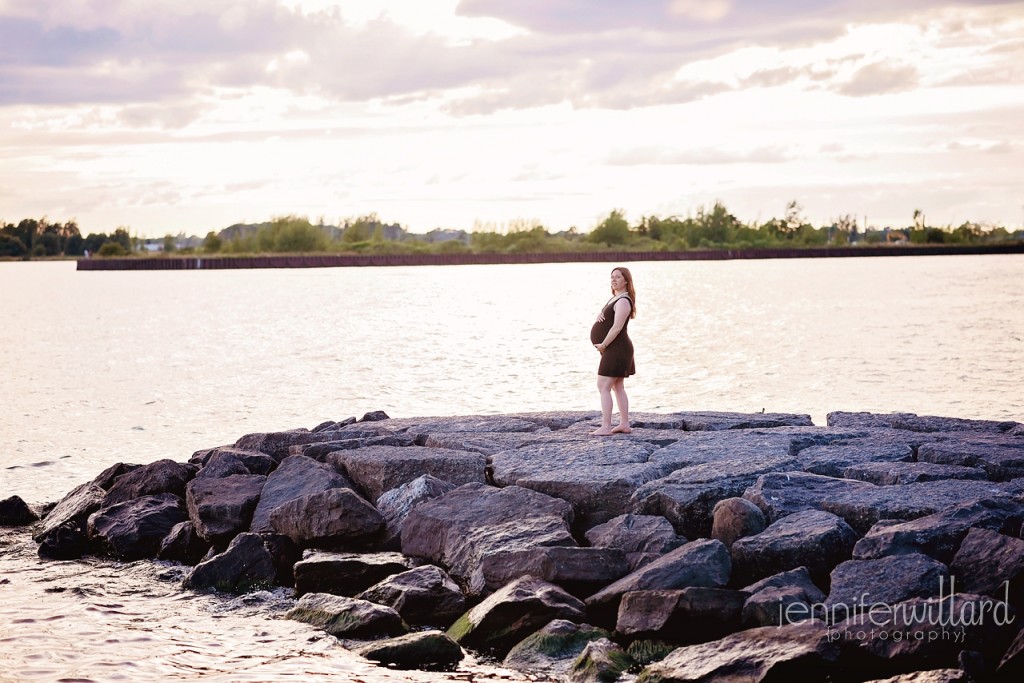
(703, 546)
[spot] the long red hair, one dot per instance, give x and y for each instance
(630, 290)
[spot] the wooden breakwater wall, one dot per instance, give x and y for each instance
(455, 259)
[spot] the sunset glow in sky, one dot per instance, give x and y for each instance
(189, 115)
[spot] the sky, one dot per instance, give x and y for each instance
(184, 116)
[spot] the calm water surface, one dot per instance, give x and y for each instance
(136, 366)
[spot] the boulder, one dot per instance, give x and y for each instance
(990, 563)
(1011, 664)
(245, 566)
(485, 443)
(295, 477)
(429, 650)
(134, 529)
(182, 544)
(222, 463)
(460, 528)
(396, 504)
(320, 451)
(700, 421)
(1001, 458)
(559, 419)
(276, 444)
(786, 598)
(601, 661)
(813, 539)
(374, 416)
(344, 617)
(831, 460)
(346, 573)
(254, 461)
(798, 652)
(596, 477)
(735, 518)
(471, 423)
(580, 571)
(66, 541)
(855, 584)
(552, 650)
(73, 508)
(688, 615)
(221, 508)
(701, 563)
(15, 512)
(512, 613)
(284, 554)
(643, 538)
(914, 423)
(782, 493)
(329, 518)
(162, 476)
(938, 535)
(891, 474)
(376, 469)
(422, 596)
(107, 477)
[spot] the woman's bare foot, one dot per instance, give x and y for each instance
(619, 429)
(603, 431)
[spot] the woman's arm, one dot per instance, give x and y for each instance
(622, 309)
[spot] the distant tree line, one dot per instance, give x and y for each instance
(39, 238)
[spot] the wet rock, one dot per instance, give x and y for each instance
(428, 650)
(221, 508)
(182, 544)
(396, 504)
(66, 541)
(1011, 664)
(813, 539)
(601, 660)
(701, 421)
(74, 508)
(107, 477)
(460, 528)
(510, 614)
(346, 573)
(989, 563)
(832, 460)
(890, 474)
(782, 493)
(15, 512)
(689, 615)
(597, 478)
(939, 535)
(295, 477)
(643, 538)
(344, 617)
(1001, 458)
(701, 563)
(245, 566)
(785, 598)
(134, 529)
(552, 650)
(162, 476)
(329, 518)
(253, 461)
(645, 652)
(422, 596)
(855, 584)
(284, 554)
(580, 571)
(735, 518)
(915, 423)
(799, 652)
(376, 469)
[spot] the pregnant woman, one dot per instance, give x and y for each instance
(609, 337)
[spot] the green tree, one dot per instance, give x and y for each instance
(211, 244)
(613, 230)
(113, 249)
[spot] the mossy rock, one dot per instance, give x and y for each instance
(646, 652)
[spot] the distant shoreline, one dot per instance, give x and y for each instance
(371, 260)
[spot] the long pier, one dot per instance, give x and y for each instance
(455, 259)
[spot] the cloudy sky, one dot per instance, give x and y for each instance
(172, 116)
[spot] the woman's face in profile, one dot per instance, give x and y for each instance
(618, 281)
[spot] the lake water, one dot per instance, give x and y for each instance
(100, 367)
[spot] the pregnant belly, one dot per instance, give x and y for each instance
(600, 330)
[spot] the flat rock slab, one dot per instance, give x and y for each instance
(295, 477)
(485, 443)
(833, 460)
(429, 650)
(472, 424)
(917, 423)
(1002, 457)
(782, 493)
(895, 473)
(596, 476)
(706, 421)
(857, 585)
(345, 617)
(376, 469)
(134, 529)
(346, 573)
(580, 571)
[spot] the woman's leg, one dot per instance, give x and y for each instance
(623, 402)
(604, 388)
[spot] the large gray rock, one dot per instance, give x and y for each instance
(422, 428)
(66, 541)
(855, 584)
(223, 463)
(597, 477)
(182, 544)
(254, 462)
(714, 421)
(295, 477)
(326, 519)
(701, 563)
(785, 598)
(552, 650)
(782, 493)
(939, 535)
(15, 512)
(798, 652)
(688, 615)
(134, 529)
(891, 474)
(460, 528)
(162, 476)
(512, 613)
(430, 650)
(580, 571)
(422, 596)
(321, 451)
(735, 518)
(73, 509)
(220, 508)
(346, 573)
(601, 661)
(246, 565)
(107, 477)
(345, 617)
(813, 539)
(989, 563)
(832, 460)
(643, 538)
(376, 469)
(485, 443)
(1001, 457)
(396, 504)
(916, 423)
